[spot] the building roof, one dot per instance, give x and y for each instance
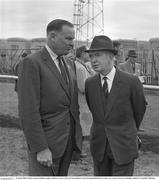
(154, 40)
(17, 39)
(38, 40)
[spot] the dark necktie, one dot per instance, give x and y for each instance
(133, 67)
(62, 68)
(105, 87)
(105, 94)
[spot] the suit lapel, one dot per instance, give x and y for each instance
(51, 65)
(113, 93)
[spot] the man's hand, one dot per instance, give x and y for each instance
(45, 157)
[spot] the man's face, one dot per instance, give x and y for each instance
(101, 61)
(132, 59)
(63, 40)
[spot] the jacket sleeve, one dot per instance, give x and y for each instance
(29, 105)
(138, 101)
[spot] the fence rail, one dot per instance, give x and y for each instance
(149, 60)
(148, 87)
(8, 77)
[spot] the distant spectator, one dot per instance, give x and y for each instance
(81, 54)
(15, 69)
(119, 55)
(83, 71)
(17, 64)
(130, 65)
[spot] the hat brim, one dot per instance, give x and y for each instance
(102, 49)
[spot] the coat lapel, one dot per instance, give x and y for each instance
(51, 65)
(113, 93)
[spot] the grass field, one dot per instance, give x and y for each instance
(13, 155)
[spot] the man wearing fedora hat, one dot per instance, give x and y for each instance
(130, 65)
(117, 103)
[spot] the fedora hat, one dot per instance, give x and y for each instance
(132, 53)
(102, 43)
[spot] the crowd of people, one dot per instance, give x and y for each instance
(66, 94)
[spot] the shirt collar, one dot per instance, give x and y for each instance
(110, 76)
(52, 54)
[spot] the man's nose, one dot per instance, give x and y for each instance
(71, 43)
(93, 59)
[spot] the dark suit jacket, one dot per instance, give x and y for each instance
(124, 113)
(127, 67)
(46, 104)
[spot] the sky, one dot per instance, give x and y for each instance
(123, 19)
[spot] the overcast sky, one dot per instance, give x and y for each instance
(124, 19)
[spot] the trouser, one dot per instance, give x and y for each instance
(108, 167)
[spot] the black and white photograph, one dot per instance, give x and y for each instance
(79, 88)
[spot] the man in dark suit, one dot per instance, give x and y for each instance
(48, 103)
(117, 103)
(130, 65)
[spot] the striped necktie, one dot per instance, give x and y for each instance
(105, 87)
(62, 68)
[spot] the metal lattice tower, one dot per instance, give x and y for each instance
(88, 20)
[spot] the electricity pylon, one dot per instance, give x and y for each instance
(88, 20)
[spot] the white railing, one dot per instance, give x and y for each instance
(149, 87)
(8, 77)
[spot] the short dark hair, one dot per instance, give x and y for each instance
(80, 50)
(57, 25)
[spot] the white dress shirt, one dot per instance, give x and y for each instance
(53, 56)
(110, 78)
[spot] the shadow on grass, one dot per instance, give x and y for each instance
(149, 143)
(9, 122)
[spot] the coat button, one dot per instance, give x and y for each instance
(68, 123)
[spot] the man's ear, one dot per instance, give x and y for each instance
(52, 35)
(111, 55)
(82, 54)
